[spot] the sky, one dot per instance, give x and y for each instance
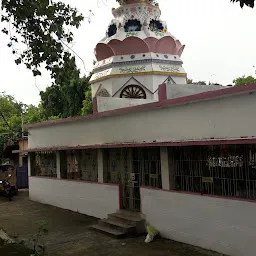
(219, 36)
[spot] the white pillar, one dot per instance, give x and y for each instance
(165, 168)
(100, 165)
(58, 164)
(29, 164)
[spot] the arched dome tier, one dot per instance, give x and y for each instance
(135, 45)
(137, 28)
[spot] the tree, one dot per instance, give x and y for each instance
(249, 3)
(35, 114)
(13, 115)
(44, 27)
(244, 80)
(10, 110)
(65, 97)
(87, 102)
(51, 101)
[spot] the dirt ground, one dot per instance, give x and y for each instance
(70, 233)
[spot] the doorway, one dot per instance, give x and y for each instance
(146, 171)
(133, 168)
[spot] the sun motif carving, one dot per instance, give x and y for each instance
(133, 92)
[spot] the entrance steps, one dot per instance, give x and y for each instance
(122, 224)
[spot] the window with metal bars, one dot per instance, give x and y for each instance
(82, 165)
(225, 170)
(44, 164)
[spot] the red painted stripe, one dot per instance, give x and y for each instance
(162, 92)
(241, 141)
(95, 105)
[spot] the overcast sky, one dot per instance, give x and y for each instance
(220, 41)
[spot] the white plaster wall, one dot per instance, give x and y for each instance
(180, 90)
(92, 199)
(157, 80)
(222, 118)
(222, 225)
(105, 104)
(179, 79)
(160, 79)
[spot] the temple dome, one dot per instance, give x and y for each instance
(137, 54)
(137, 28)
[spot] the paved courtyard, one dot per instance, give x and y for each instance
(70, 233)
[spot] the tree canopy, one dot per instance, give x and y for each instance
(65, 96)
(44, 27)
(14, 113)
(249, 3)
(244, 80)
(39, 33)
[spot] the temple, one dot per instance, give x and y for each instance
(179, 156)
(136, 55)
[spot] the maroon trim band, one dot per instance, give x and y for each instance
(152, 144)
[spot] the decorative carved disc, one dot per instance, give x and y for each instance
(133, 92)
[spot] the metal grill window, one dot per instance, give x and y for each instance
(82, 165)
(44, 164)
(228, 171)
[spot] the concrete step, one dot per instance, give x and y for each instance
(131, 219)
(119, 225)
(126, 217)
(108, 230)
(134, 214)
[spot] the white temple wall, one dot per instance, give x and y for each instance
(105, 104)
(181, 90)
(222, 225)
(93, 199)
(179, 80)
(222, 118)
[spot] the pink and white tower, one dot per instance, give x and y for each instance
(136, 55)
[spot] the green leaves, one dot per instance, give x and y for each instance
(249, 3)
(87, 102)
(244, 80)
(42, 27)
(65, 97)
